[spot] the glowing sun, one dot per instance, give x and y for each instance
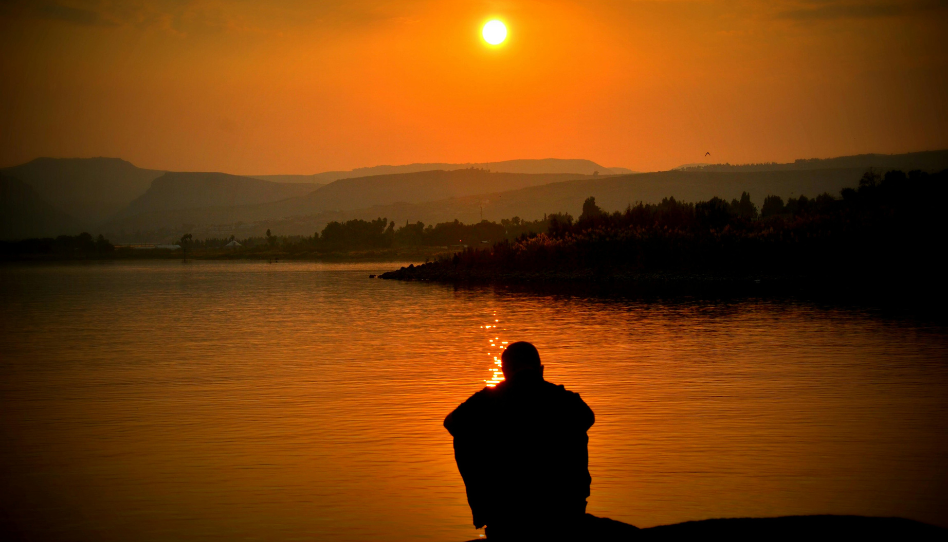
(494, 32)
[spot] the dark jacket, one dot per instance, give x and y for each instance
(521, 448)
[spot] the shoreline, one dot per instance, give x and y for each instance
(899, 292)
(379, 255)
(841, 527)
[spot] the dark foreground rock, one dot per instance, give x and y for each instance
(780, 528)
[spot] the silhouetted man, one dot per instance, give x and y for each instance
(521, 448)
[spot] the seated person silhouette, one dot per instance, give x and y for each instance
(521, 448)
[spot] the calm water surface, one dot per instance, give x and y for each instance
(302, 401)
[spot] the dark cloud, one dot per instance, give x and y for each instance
(832, 9)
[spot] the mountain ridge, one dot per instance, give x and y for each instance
(189, 190)
(89, 189)
(529, 166)
(23, 213)
(341, 195)
(612, 193)
(925, 160)
(430, 196)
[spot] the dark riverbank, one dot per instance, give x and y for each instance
(899, 290)
(822, 527)
(799, 528)
(880, 241)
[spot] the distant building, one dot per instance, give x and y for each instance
(233, 244)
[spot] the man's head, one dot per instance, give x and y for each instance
(520, 360)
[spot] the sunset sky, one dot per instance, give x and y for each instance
(294, 86)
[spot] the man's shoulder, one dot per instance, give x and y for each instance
(479, 398)
(483, 394)
(570, 400)
(559, 390)
(470, 413)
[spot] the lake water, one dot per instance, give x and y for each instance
(302, 401)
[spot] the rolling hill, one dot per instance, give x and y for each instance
(342, 195)
(542, 166)
(24, 214)
(615, 193)
(411, 188)
(925, 160)
(216, 204)
(612, 193)
(89, 189)
(179, 191)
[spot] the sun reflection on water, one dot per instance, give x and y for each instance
(496, 349)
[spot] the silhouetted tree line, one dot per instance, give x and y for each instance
(380, 233)
(887, 226)
(64, 246)
(356, 234)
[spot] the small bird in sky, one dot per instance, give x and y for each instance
(707, 153)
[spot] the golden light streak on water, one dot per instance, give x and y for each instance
(496, 372)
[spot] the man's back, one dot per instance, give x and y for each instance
(522, 450)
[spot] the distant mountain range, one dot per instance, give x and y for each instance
(177, 191)
(49, 196)
(612, 193)
(338, 196)
(925, 160)
(547, 165)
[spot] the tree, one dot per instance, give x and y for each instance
(590, 209)
(357, 234)
(185, 243)
(744, 207)
(411, 234)
(869, 179)
(773, 206)
(102, 245)
(798, 206)
(714, 213)
(271, 239)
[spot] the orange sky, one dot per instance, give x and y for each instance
(299, 86)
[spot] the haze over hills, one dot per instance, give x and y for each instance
(95, 190)
(546, 165)
(412, 188)
(302, 179)
(612, 193)
(217, 204)
(616, 192)
(23, 213)
(924, 160)
(177, 191)
(89, 189)
(342, 195)
(434, 197)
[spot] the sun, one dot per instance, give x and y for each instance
(494, 32)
